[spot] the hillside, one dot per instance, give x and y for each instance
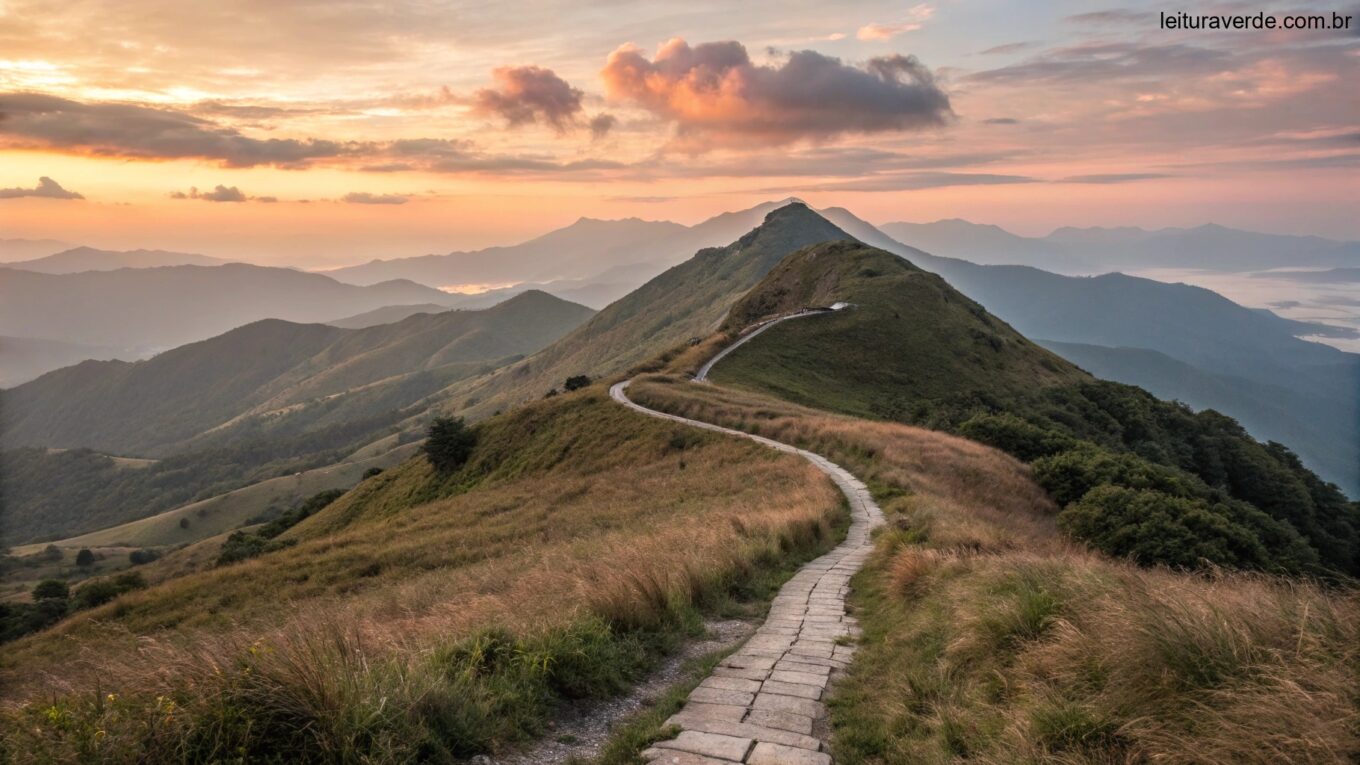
(989, 636)
(385, 315)
(913, 350)
(909, 335)
(80, 259)
(150, 309)
(687, 301)
(578, 545)
(1191, 325)
(272, 395)
(273, 370)
(24, 358)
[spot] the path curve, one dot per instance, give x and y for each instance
(763, 705)
(749, 334)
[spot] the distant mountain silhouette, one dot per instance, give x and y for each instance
(274, 375)
(156, 308)
(89, 259)
(1097, 250)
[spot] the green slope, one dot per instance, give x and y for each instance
(686, 301)
(269, 399)
(908, 338)
(1139, 477)
(274, 370)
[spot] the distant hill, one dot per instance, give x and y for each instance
(386, 315)
(274, 374)
(687, 301)
(24, 358)
(586, 247)
(594, 252)
(81, 259)
(157, 308)
(907, 337)
(28, 249)
(1097, 250)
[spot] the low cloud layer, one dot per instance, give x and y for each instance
(219, 194)
(46, 188)
(125, 130)
(366, 198)
(714, 91)
(530, 94)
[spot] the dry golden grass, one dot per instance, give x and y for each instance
(991, 639)
(647, 517)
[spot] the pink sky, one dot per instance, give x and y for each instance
(342, 132)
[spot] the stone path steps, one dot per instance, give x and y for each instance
(764, 704)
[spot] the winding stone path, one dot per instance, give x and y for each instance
(763, 705)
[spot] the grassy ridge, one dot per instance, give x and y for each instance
(1136, 476)
(424, 617)
(990, 638)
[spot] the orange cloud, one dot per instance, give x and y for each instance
(526, 94)
(714, 92)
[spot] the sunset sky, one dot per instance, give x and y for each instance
(317, 133)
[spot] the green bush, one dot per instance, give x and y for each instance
(1014, 435)
(101, 591)
(243, 545)
(449, 443)
(1069, 475)
(576, 382)
(51, 589)
(1153, 527)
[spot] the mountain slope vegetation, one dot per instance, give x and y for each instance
(267, 399)
(687, 301)
(1135, 475)
(425, 615)
(1189, 324)
(990, 637)
(272, 369)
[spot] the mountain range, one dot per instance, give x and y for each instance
(267, 399)
(79, 259)
(1191, 327)
(1097, 250)
(151, 309)
(275, 375)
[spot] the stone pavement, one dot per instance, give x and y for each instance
(764, 704)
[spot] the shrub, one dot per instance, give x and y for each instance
(449, 443)
(101, 591)
(51, 589)
(1014, 435)
(371, 472)
(242, 545)
(140, 557)
(576, 382)
(1157, 528)
(1067, 476)
(84, 558)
